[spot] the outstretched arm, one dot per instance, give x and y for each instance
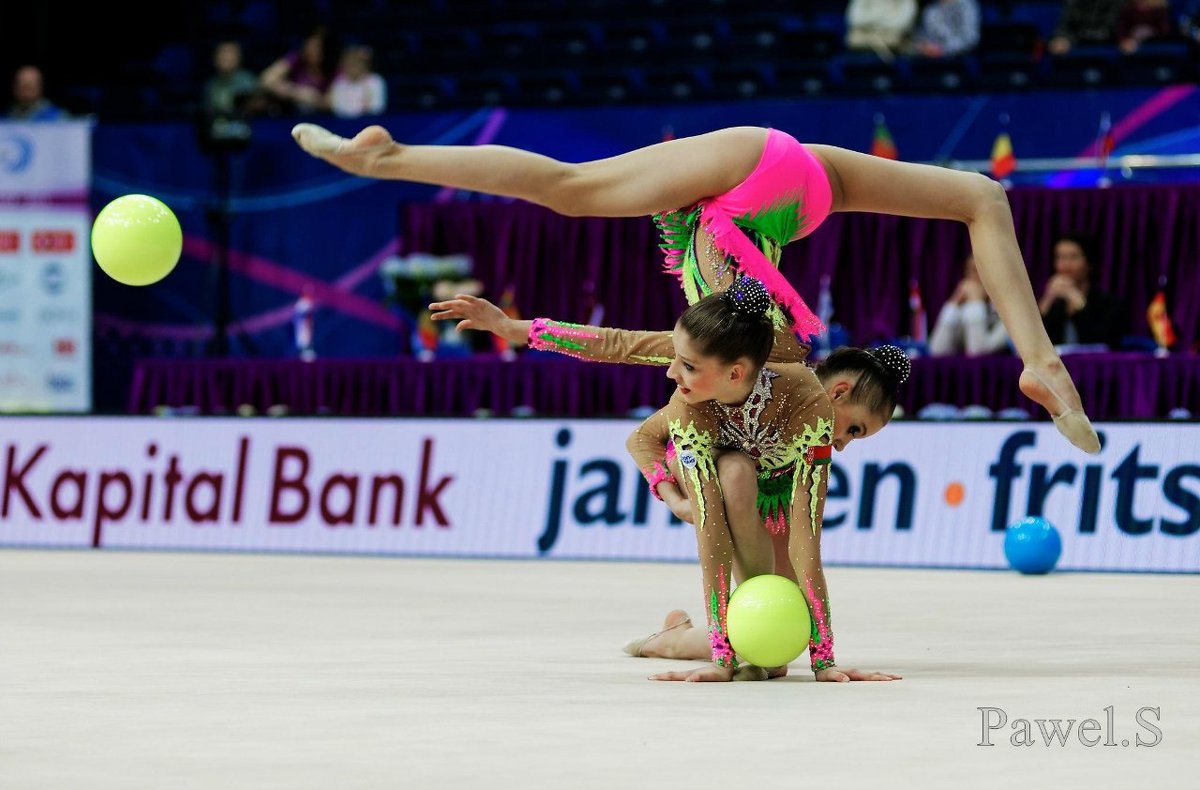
(472, 312)
(602, 344)
(811, 432)
(812, 435)
(593, 343)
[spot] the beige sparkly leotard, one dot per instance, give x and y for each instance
(785, 427)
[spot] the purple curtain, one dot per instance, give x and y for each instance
(1113, 386)
(1145, 234)
(553, 261)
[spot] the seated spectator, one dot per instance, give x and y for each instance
(232, 90)
(301, 79)
(29, 101)
(1074, 310)
(881, 26)
(1189, 20)
(1086, 22)
(357, 90)
(948, 28)
(967, 323)
(1140, 21)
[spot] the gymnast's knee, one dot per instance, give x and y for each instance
(986, 196)
(739, 480)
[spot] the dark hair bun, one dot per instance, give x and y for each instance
(894, 361)
(748, 298)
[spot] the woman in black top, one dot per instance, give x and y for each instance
(1073, 309)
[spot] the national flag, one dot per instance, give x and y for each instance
(882, 145)
(825, 300)
(508, 306)
(1105, 142)
(1160, 321)
(918, 330)
(425, 337)
(1004, 162)
(824, 314)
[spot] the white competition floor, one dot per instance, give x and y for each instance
(161, 670)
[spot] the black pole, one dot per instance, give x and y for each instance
(223, 138)
(219, 222)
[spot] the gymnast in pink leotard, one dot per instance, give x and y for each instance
(746, 219)
(786, 197)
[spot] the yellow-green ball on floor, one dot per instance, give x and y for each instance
(137, 240)
(768, 621)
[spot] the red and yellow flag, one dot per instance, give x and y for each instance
(1105, 141)
(426, 337)
(1004, 162)
(1160, 321)
(508, 306)
(882, 145)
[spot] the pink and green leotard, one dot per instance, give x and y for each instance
(786, 197)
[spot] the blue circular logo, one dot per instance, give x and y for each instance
(16, 152)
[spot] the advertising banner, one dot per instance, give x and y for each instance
(45, 267)
(918, 494)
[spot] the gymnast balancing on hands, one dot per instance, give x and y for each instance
(730, 406)
(727, 201)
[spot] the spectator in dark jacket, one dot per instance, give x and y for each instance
(1142, 20)
(1074, 310)
(29, 101)
(1086, 22)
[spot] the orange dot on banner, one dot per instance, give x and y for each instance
(954, 494)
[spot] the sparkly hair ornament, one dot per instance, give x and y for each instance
(748, 297)
(894, 362)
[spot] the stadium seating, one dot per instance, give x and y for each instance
(527, 52)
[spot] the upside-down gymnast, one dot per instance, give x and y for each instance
(727, 201)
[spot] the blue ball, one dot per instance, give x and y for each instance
(1032, 545)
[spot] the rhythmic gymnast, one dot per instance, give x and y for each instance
(727, 201)
(740, 450)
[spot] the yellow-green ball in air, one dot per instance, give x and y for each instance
(136, 240)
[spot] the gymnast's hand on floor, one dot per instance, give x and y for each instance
(472, 312)
(360, 155)
(839, 675)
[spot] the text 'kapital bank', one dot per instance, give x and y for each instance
(164, 489)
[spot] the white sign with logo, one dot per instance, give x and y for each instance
(918, 494)
(46, 161)
(45, 267)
